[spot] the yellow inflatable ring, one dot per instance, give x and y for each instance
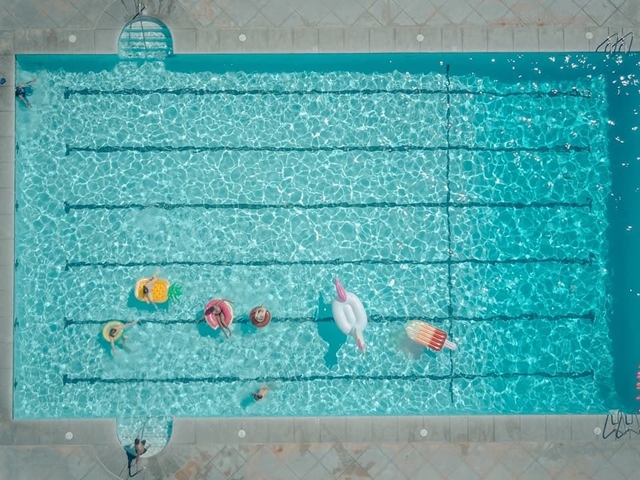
(109, 326)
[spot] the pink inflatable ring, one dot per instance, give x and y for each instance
(225, 308)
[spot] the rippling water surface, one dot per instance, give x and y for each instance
(474, 201)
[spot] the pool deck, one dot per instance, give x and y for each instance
(394, 448)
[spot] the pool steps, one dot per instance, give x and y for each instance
(145, 38)
(155, 430)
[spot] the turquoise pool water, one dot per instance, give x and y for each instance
(489, 195)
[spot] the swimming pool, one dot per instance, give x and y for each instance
(488, 195)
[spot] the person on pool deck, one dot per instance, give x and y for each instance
(147, 289)
(22, 91)
(260, 394)
(115, 331)
(140, 447)
(134, 452)
(216, 311)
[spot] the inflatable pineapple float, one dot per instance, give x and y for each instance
(161, 290)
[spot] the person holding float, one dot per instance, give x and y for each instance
(113, 332)
(260, 316)
(156, 290)
(218, 313)
(349, 314)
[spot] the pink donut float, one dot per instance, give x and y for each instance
(225, 308)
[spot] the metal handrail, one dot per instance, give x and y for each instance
(618, 45)
(140, 7)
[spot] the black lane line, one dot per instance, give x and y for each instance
(282, 263)
(67, 379)
(589, 316)
(448, 214)
(68, 92)
(588, 203)
(334, 148)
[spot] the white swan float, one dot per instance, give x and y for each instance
(349, 314)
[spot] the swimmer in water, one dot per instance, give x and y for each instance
(22, 91)
(260, 394)
(115, 331)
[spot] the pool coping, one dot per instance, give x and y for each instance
(352, 429)
(101, 433)
(553, 39)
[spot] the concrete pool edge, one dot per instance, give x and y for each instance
(383, 429)
(7, 162)
(276, 430)
(323, 40)
(327, 40)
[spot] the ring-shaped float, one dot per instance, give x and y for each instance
(108, 326)
(225, 308)
(253, 317)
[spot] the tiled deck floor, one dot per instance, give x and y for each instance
(36, 450)
(345, 461)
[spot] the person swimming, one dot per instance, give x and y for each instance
(22, 91)
(261, 393)
(114, 332)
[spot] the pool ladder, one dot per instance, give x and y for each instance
(615, 43)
